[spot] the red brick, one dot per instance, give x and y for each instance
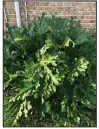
(68, 4)
(40, 8)
(48, 8)
(52, 9)
(83, 13)
(11, 11)
(61, 9)
(93, 21)
(83, 8)
(53, 4)
(74, 3)
(93, 12)
(81, 17)
(71, 13)
(91, 8)
(13, 20)
(8, 19)
(91, 17)
(32, 8)
(41, 3)
(91, 25)
(31, 3)
(11, 16)
(59, 3)
(9, 4)
(85, 21)
(30, 12)
(70, 8)
(93, 3)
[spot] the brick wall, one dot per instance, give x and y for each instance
(85, 11)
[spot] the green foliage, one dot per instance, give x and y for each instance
(50, 74)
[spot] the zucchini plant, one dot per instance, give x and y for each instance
(49, 74)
